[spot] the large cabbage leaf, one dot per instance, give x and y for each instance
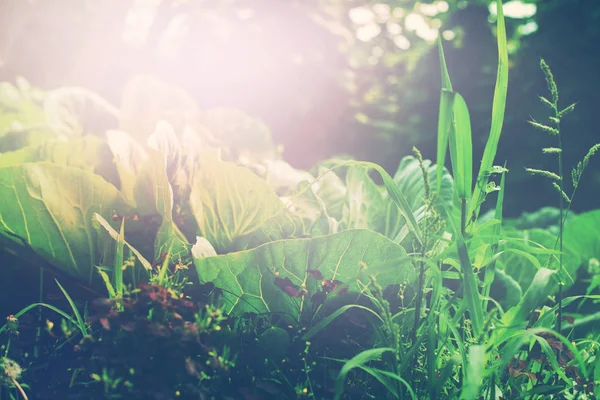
(50, 207)
(230, 202)
(274, 276)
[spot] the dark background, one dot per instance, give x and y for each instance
(298, 66)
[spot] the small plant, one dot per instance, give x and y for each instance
(10, 373)
(552, 127)
(150, 345)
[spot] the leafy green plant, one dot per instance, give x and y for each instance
(553, 128)
(339, 282)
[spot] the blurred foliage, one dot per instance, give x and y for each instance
(335, 76)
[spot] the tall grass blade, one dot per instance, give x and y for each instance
(398, 198)
(48, 306)
(474, 376)
(445, 117)
(461, 149)
(498, 108)
(515, 318)
(490, 270)
(119, 261)
(107, 283)
(469, 282)
(357, 361)
(80, 321)
(147, 266)
(162, 273)
(327, 320)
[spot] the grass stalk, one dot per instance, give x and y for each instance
(560, 231)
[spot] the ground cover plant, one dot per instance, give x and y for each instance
(193, 262)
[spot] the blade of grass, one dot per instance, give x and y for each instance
(357, 361)
(461, 149)
(474, 375)
(48, 306)
(380, 375)
(444, 118)
(490, 270)
(119, 261)
(398, 198)
(498, 108)
(107, 283)
(147, 266)
(80, 320)
(515, 317)
(392, 188)
(327, 320)
(162, 274)
(469, 282)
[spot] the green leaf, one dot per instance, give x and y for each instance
(248, 277)
(366, 207)
(274, 344)
(129, 157)
(362, 358)
(50, 207)
(474, 375)
(445, 115)
(147, 100)
(115, 236)
(322, 324)
(491, 269)
(525, 251)
(119, 261)
(461, 149)
(398, 198)
(242, 135)
(516, 317)
(153, 194)
(89, 153)
(332, 191)
(409, 179)
(582, 235)
(80, 321)
(498, 108)
(75, 111)
(470, 282)
(229, 202)
(22, 121)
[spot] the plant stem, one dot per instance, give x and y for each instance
(417, 319)
(463, 219)
(38, 331)
(19, 388)
(560, 231)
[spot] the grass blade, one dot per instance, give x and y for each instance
(48, 306)
(327, 320)
(474, 376)
(471, 293)
(498, 108)
(398, 198)
(445, 117)
(461, 149)
(80, 321)
(490, 270)
(147, 266)
(119, 261)
(515, 318)
(357, 361)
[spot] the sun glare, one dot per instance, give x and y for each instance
(515, 9)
